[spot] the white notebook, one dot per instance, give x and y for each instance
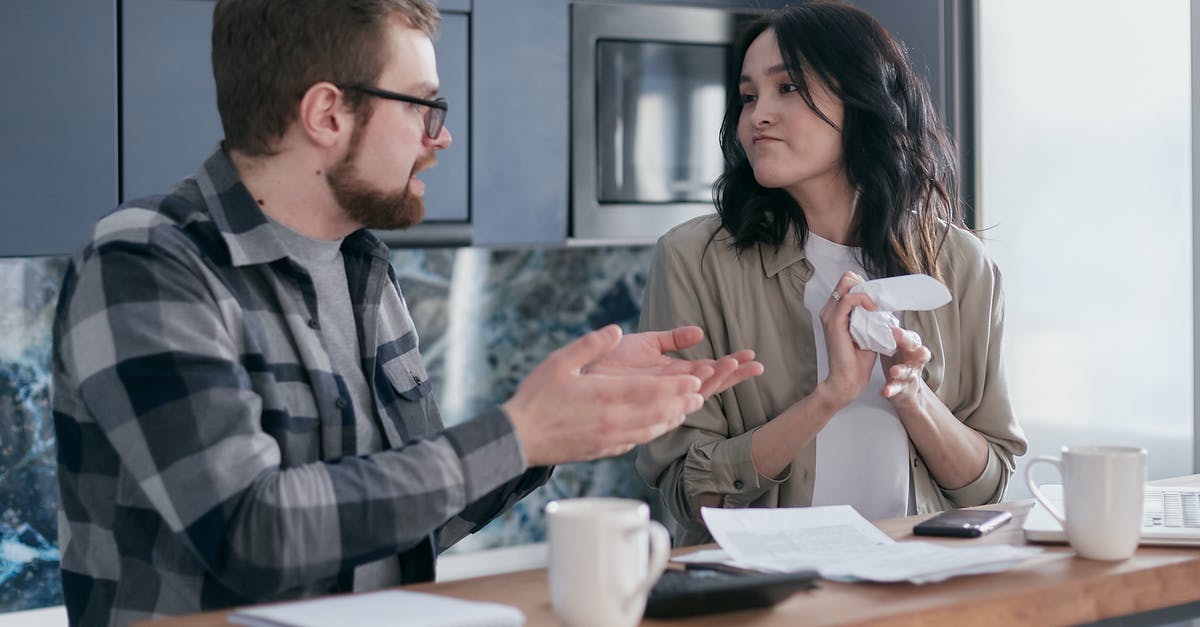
(1171, 516)
(386, 608)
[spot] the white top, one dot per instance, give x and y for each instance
(862, 454)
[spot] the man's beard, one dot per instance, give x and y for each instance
(370, 206)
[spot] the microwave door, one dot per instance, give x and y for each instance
(657, 121)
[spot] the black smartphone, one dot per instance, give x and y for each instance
(962, 523)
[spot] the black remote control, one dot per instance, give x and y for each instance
(696, 591)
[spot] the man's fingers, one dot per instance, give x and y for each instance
(745, 371)
(613, 451)
(586, 349)
(681, 338)
(640, 390)
(634, 402)
(743, 356)
(721, 369)
(656, 430)
(737, 373)
(676, 339)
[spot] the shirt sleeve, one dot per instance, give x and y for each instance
(701, 456)
(985, 404)
(485, 509)
(150, 341)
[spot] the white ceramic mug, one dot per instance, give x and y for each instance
(1103, 488)
(605, 554)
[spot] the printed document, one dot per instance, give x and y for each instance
(842, 545)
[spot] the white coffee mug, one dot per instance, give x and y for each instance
(1103, 488)
(605, 554)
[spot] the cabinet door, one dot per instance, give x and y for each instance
(462, 6)
(59, 122)
(519, 158)
(169, 120)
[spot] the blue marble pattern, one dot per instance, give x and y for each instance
(28, 493)
(485, 317)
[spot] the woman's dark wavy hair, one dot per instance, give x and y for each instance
(895, 151)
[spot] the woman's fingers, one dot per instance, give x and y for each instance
(847, 281)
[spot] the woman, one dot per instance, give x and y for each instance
(836, 169)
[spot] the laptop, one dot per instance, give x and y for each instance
(1171, 516)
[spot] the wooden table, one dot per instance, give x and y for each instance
(1054, 589)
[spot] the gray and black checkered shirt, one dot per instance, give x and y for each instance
(205, 444)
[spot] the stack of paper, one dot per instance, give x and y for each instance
(381, 609)
(840, 544)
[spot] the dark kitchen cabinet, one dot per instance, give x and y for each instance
(58, 119)
(519, 159)
(169, 120)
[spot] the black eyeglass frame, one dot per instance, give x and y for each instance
(435, 118)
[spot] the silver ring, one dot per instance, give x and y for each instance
(837, 298)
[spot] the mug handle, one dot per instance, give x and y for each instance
(660, 550)
(1037, 494)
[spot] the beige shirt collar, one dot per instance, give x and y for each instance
(776, 258)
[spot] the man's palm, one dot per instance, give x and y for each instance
(646, 354)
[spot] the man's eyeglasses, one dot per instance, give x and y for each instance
(435, 110)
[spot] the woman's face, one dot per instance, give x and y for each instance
(788, 144)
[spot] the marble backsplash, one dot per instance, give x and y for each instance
(485, 318)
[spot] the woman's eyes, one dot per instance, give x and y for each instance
(785, 88)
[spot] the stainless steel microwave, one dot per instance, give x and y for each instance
(648, 91)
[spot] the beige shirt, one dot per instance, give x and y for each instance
(756, 300)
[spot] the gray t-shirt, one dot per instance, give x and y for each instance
(322, 259)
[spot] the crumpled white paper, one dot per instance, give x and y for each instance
(872, 330)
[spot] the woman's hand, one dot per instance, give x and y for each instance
(849, 366)
(902, 371)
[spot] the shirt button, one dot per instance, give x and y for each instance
(737, 484)
(312, 324)
(340, 403)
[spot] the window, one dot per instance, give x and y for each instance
(1085, 198)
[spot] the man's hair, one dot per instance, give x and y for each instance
(267, 53)
(894, 149)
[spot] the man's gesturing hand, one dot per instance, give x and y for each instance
(645, 354)
(562, 414)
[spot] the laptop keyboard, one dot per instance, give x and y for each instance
(1171, 508)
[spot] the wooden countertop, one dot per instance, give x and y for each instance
(1055, 588)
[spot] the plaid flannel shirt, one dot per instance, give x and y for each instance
(205, 446)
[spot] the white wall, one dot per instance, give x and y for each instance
(1085, 161)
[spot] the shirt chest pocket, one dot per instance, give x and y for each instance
(406, 399)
